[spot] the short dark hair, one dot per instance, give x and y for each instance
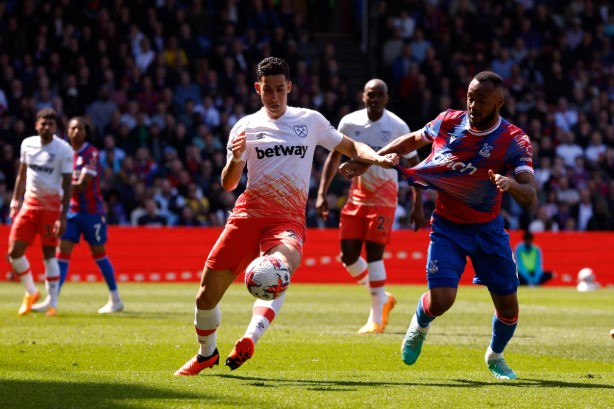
(272, 66)
(46, 113)
(491, 77)
(527, 235)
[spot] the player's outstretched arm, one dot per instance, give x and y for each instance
(231, 174)
(400, 146)
(404, 144)
(521, 187)
(362, 152)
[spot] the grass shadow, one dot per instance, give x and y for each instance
(345, 385)
(88, 394)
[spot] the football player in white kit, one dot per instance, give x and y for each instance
(368, 215)
(44, 181)
(276, 144)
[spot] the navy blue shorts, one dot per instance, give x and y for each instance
(486, 244)
(93, 227)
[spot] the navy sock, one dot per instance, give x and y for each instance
(422, 311)
(502, 331)
(63, 270)
(106, 268)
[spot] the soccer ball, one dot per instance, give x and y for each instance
(267, 278)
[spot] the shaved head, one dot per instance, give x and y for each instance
(376, 83)
(375, 98)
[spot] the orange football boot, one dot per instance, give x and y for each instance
(193, 367)
(243, 350)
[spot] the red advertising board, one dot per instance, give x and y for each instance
(142, 254)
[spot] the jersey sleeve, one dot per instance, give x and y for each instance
(22, 152)
(431, 130)
(66, 164)
(234, 132)
(343, 127)
(91, 167)
(520, 154)
(328, 136)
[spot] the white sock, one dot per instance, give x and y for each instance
(52, 281)
(377, 282)
(359, 271)
(263, 314)
(491, 355)
(206, 323)
(21, 267)
(114, 296)
(414, 323)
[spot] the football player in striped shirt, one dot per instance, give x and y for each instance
(476, 155)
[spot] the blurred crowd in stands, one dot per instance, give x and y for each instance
(162, 83)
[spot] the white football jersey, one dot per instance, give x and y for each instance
(377, 186)
(279, 158)
(46, 164)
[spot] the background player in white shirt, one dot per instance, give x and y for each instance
(368, 214)
(45, 173)
(277, 144)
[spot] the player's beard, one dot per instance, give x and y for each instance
(46, 135)
(485, 120)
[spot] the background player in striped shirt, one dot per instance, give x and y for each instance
(43, 180)
(472, 152)
(86, 215)
(276, 144)
(367, 216)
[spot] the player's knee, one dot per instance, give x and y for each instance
(349, 259)
(439, 308)
(14, 254)
(510, 312)
(440, 303)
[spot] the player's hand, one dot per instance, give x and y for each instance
(239, 145)
(352, 169)
(322, 207)
(390, 160)
(59, 227)
(13, 213)
(503, 183)
(417, 217)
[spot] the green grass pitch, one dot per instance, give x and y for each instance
(311, 357)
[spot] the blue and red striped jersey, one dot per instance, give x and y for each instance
(90, 200)
(458, 165)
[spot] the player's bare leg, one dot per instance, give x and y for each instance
(207, 318)
(432, 304)
(263, 312)
(21, 268)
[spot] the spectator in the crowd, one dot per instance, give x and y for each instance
(543, 222)
(565, 117)
(602, 217)
(151, 216)
(568, 149)
(101, 109)
(583, 210)
(596, 149)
